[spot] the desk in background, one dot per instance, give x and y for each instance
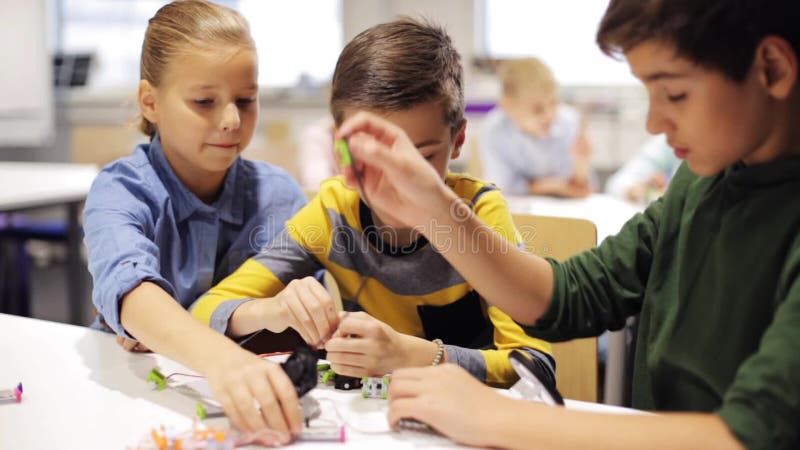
(30, 185)
(608, 213)
(81, 390)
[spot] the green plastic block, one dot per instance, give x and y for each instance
(328, 376)
(345, 157)
(200, 409)
(158, 379)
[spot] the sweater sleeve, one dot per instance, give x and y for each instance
(118, 221)
(762, 405)
(599, 289)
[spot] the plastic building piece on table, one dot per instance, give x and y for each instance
(200, 437)
(326, 376)
(375, 387)
(158, 379)
(13, 395)
(328, 433)
(340, 382)
(205, 411)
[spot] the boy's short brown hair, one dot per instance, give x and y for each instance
(397, 65)
(521, 74)
(720, 35)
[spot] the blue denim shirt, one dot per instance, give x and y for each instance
(142, 224)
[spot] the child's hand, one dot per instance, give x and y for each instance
(363, 346)
(131, 346)
(304, 305)
(255, 394)
(445, 398)
(399, 183)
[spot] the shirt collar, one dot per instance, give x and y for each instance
(229, 205)
(766, 174)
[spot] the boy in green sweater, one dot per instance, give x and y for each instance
(713, 267)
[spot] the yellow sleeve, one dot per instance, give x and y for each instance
(250, 280)
(492, 209)
(507, 337)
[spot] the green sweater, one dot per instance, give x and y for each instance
(713, 268)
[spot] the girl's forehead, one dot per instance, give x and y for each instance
(208, 68)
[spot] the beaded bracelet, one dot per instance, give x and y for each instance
(439, 353)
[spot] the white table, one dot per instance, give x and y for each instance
(609, 214)
(28, 185)
(81, 390)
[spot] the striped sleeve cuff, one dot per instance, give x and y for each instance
(222, 314)
(470, 359)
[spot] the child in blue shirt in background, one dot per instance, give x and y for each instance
(184, 211)
(531, 144)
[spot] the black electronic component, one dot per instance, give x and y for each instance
(346, 383)
(301, 367)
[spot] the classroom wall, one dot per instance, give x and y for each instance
(26, 106)
(615, 115)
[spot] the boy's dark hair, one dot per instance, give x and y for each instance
(719, 35)
(398, 65)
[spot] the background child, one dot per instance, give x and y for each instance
(531, 144)
(410, 73)
(713, 267)
(646, 176)
(184, 210)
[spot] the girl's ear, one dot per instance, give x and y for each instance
(776, 62)
(460, 136)
(147, 101)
